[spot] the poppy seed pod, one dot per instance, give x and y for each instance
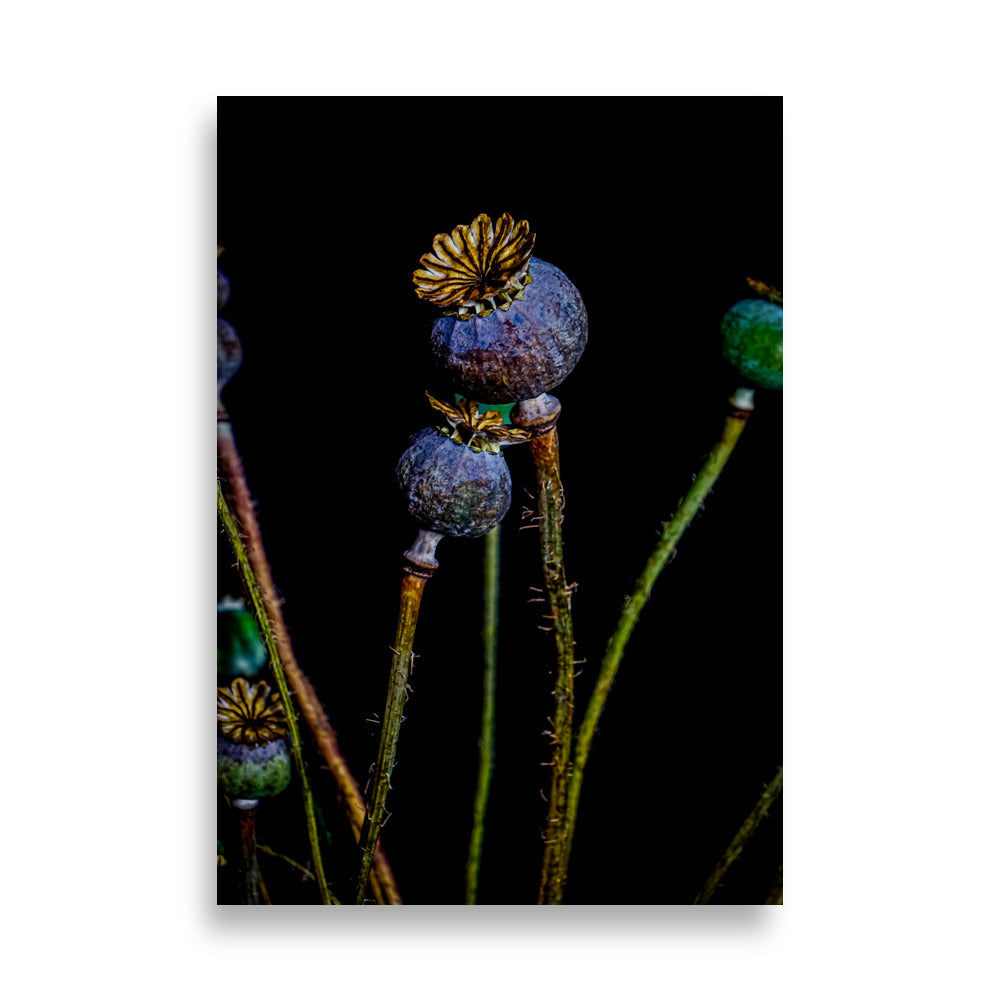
(229, 352)
(223, 289)
(240, 651)
(514, 325)
(752, 333)
(452, 489)
(252, 758)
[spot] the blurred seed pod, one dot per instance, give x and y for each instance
(252, 757)
(223, 289)
(230, 353)
(240, 650)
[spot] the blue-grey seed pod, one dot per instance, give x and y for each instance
(520, 353)
(452, 489)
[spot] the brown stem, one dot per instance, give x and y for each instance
(248, 841)
(419, 567)
(325, 737)
(540, 415)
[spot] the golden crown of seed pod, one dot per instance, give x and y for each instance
(248, 715)
(477, 268)
(765, 291)
(480, 431)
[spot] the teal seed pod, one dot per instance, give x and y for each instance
(240, 650)
(752, 341)
(252, 757)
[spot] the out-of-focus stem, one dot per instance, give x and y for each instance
(420, 565)
(491, 614)
(259, 613)
(776, 896)
(324, 736)
(264, 849)
(742, 403)
(248, 842)
(744, 833)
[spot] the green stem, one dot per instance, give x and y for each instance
(672, 532)
(349, 795)
(263, 623)
(491, 615)
(744, 833)
(420, 566)
(264, 849)
(776, 896)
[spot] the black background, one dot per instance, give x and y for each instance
(657, 209)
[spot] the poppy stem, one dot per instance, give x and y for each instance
(487, 735)
(418, 569)
(325, 737)
(742, 405)
(259, 613)
(540, 416)
(733, 851)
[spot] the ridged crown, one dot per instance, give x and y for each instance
(248, 715)
(477, 264)
(480, 431)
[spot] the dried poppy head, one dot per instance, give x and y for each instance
(250, 715)
(477, 268)
(252, 759)
(454, 478)
(514, 326)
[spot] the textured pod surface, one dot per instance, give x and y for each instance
(240, 651)
(246, 772)
(521, 353)
(452, 489)
(222, 295)
(229, 352)
(752, 341)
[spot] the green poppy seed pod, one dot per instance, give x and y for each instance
(240, 651)
(514, 325)
(452, 489)
(251, 754)
(252, 772)
(752, 341)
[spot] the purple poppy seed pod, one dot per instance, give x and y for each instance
(514, 326)
(452, 489)
(223, 289)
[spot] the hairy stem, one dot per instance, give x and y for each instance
(264, 849)
(324, 736)
(259, 613)
(672, 532)
(744, 833)
(540, 415)
(419, 568)
(487, 736)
